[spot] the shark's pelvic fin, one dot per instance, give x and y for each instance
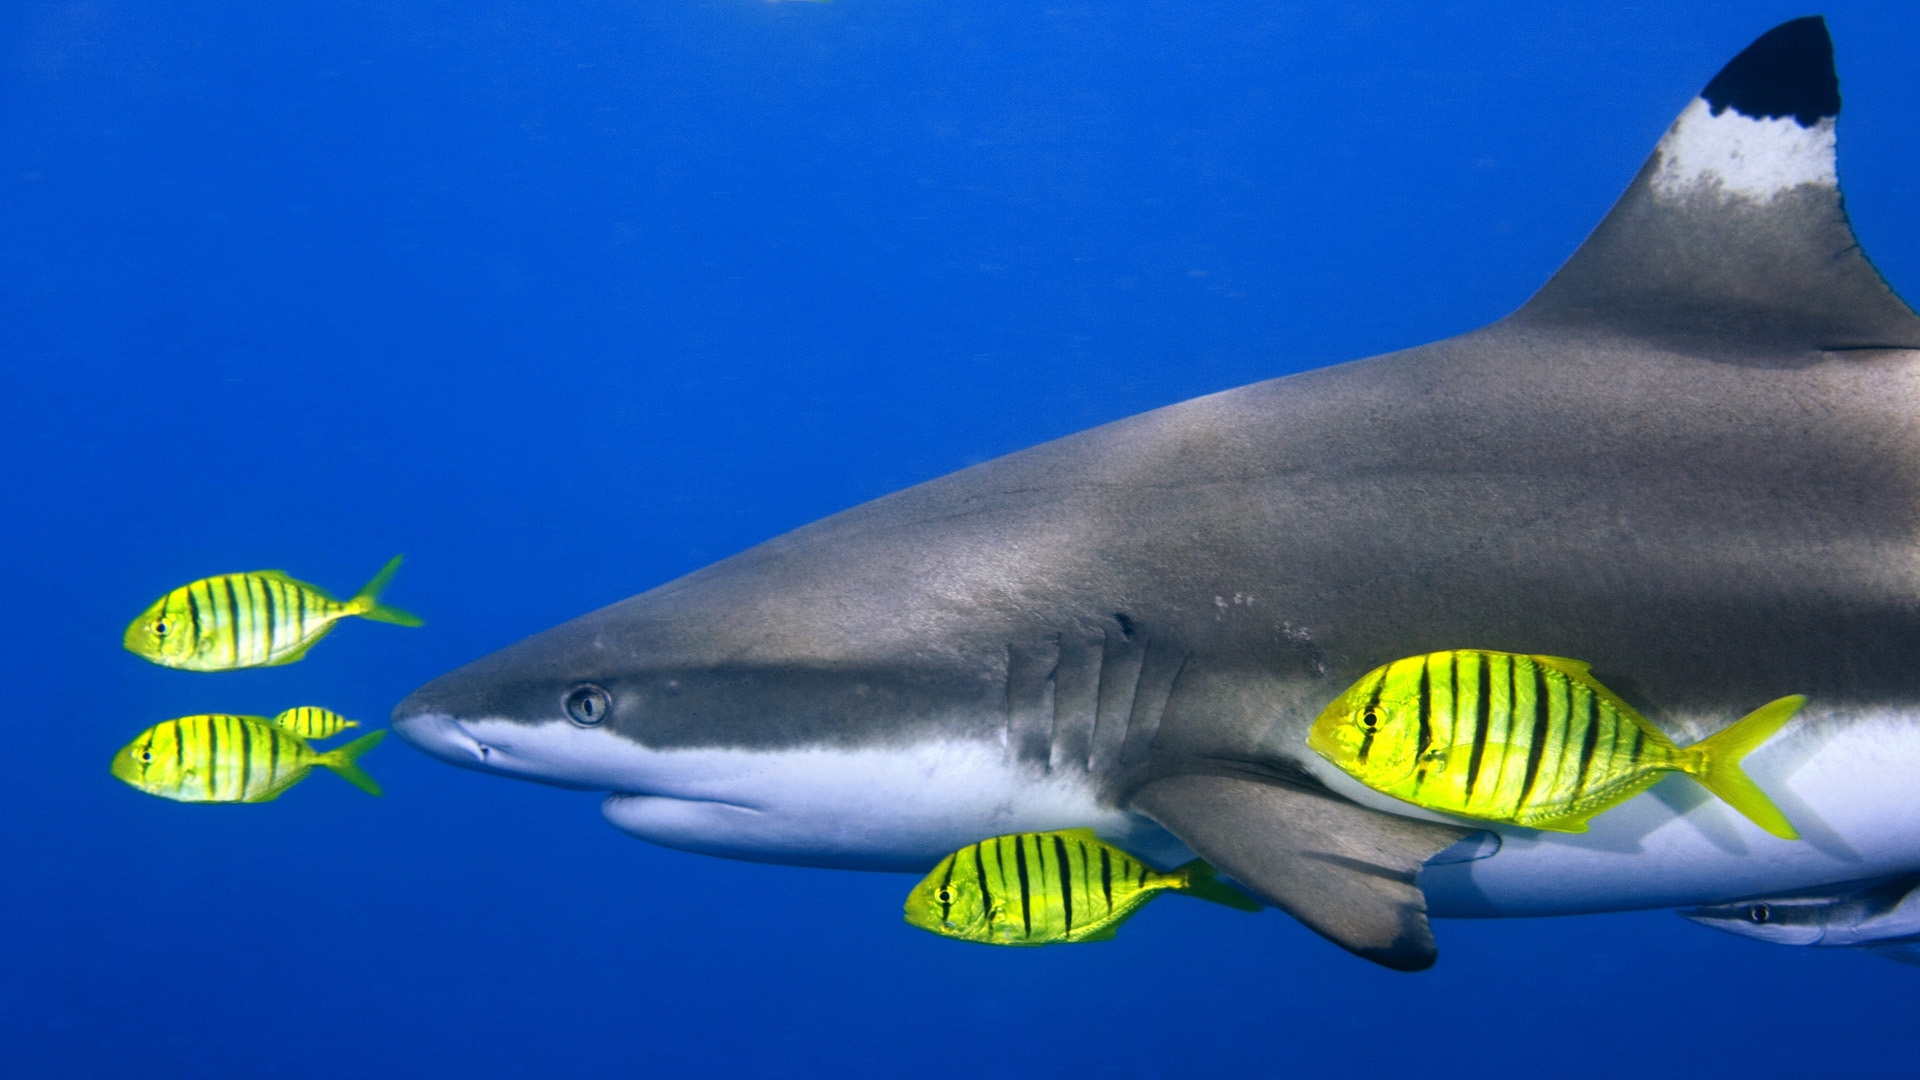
(1733, 232)
(1344, 870)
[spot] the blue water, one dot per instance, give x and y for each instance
(565, 299)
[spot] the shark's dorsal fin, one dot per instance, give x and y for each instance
(1733, 231)
(1346, 871)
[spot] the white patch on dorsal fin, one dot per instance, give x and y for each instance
(1732, 241)
(1735, 156)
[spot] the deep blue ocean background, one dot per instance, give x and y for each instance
(567, 298)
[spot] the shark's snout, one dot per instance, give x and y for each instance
(438, 734)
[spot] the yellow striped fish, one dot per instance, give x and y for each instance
(1530, 740)
(256, 619)
(313, 722)
(228, 759)
(1051, 887)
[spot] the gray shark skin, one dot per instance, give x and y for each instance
(1882, 918)
(1691, 459)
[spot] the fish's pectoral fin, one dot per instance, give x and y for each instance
(301, 652)
(1905, 952)
(1344, 870)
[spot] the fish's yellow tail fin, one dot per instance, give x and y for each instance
(1203, 881)
(366, 603)
(341, 760)
(1715, 762)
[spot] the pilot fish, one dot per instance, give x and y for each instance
(1048, 888)
(313, 722)
(256, 619)
(1530, 740)
(226, 759)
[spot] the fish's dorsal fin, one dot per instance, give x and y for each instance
(284, 578)
(1582, 672)
(1082, 833)
(1733, 231)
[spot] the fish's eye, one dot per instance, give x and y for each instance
(944, 895)
(1370, 719)
(587, 705)
(1759, 913)
(160, 627)
(146, 755)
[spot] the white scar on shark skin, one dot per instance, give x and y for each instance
(1736, 156)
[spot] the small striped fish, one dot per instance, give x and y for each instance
(1047, 888)
(256, 619)
(228, 759)
(313, 722)
(1530, 740)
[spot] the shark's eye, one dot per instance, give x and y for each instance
(587, 705)
(1759, 913)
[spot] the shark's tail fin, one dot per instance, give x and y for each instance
(1733, 231)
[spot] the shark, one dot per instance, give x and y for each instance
(1691, 459)
(1882, 918)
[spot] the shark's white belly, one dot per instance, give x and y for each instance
(880, 808)
(1853, 790)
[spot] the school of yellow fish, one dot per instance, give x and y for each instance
(227, 622)
(1517, 739)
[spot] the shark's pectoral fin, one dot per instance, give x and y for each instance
(1344, 870)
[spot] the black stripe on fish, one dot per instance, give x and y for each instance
(986, 891)
(1366, 740)
(1589, 744)
(1066, 880)
(193, 610)
(213, 753)
(1426, 712)
(233, 617)
(1020, 862)
(266, 593)
(1541, 717)
(1106, 877)
(1483, 719)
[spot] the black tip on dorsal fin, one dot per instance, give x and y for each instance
(1732, 238)
(1787, 72)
